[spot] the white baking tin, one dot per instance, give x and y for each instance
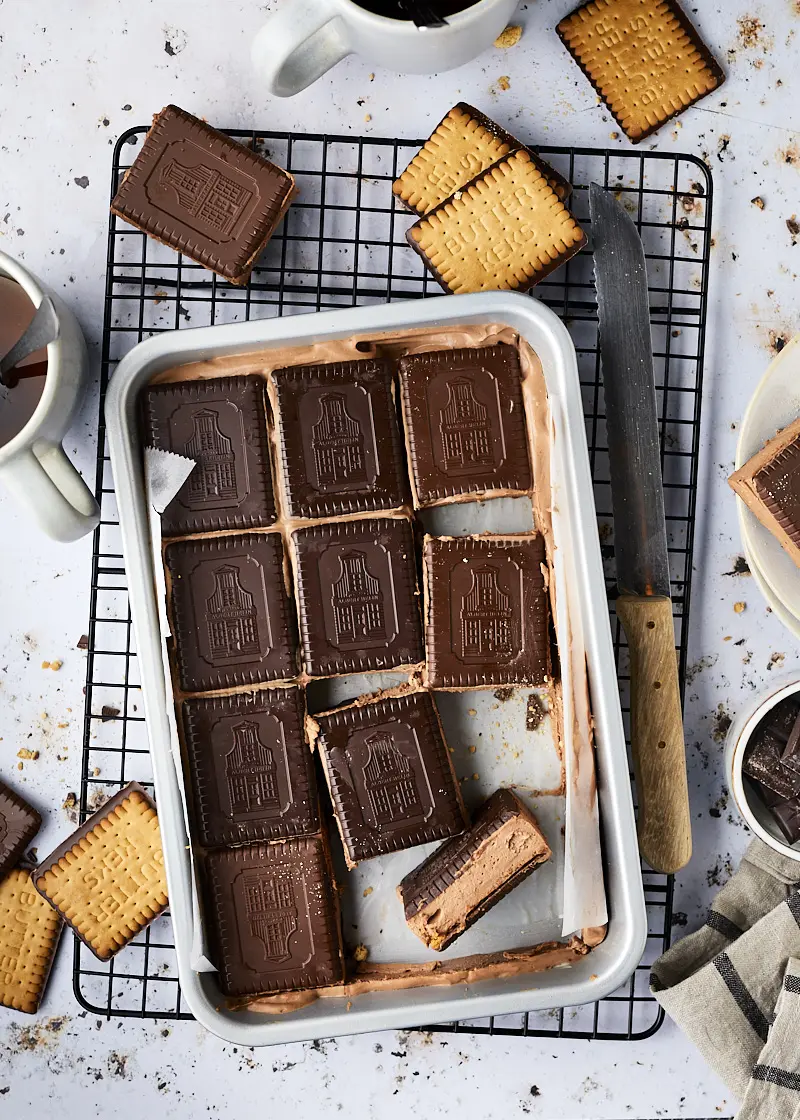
(612, 962)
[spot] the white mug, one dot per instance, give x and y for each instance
(33, 465)
(305, 38)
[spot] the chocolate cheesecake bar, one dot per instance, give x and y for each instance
(469, 874)
(273, 917)
(465, 423)
(203, 194)
(390, 776)
(486, 611)
(769, 485)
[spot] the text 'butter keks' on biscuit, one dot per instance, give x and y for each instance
(29, 932)
(643, 57)
(464, 143)
(107, 880)
(506, 230)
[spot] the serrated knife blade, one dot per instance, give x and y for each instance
(643, 606)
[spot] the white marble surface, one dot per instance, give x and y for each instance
(75, 75)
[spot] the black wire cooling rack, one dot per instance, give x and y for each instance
(342, 243)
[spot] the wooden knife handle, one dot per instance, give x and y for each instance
(659, 751)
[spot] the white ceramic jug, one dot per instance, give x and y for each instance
(33, 465)
(305, 38)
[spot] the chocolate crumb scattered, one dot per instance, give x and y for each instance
(503, 694)
(108, 713)
(740, 568)
(535, 712)
(83, 642)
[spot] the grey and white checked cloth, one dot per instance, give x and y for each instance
(734, 985)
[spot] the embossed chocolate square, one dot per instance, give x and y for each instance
(390, 776)
(340, 445)
(251, 772)
(232, 620)
(221, 424)
(357, 596)
(465, 423)
(486, 611)
(19, 823)
(273, 917)
(203, 194)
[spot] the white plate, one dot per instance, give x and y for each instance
(775, 403)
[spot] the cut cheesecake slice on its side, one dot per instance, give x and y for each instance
(462, 880)
(769, 485)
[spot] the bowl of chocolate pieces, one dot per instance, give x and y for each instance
(762, 758)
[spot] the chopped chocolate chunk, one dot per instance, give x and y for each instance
(465, 422)
(251, 771)
(464, 878)
(791, 752)
(390, 777)
(787, 817)
(357, 596)
(19, 823)
(340, 445)
(204, 195)
(221, 424)
(781, 719)
(762, 763)
(232, 619)
(273, 918)
(486, 612)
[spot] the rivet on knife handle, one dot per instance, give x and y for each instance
(659, 756)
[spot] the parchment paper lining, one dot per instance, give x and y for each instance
(568, 726)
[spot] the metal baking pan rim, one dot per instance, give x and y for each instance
(611, 963)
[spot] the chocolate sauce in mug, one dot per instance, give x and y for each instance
(17, 403)
(392, 10)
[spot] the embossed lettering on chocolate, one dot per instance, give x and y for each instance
(221, 424)
(390, 776)
(204, 195)
(357, 596)
(273, 917)
(340, 445)
(251, 772)
(486, 611)
(465, 422)
(232, 619)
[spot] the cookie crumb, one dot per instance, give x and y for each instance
(367, 891)
(23, 752)
(45, 664)
(758, 201)
(361, 953)
(509, 37)
(504, 82)
(740, 607)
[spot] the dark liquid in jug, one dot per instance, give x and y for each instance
(18, 402)
(397, 11)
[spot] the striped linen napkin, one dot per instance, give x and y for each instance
(734, 986)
